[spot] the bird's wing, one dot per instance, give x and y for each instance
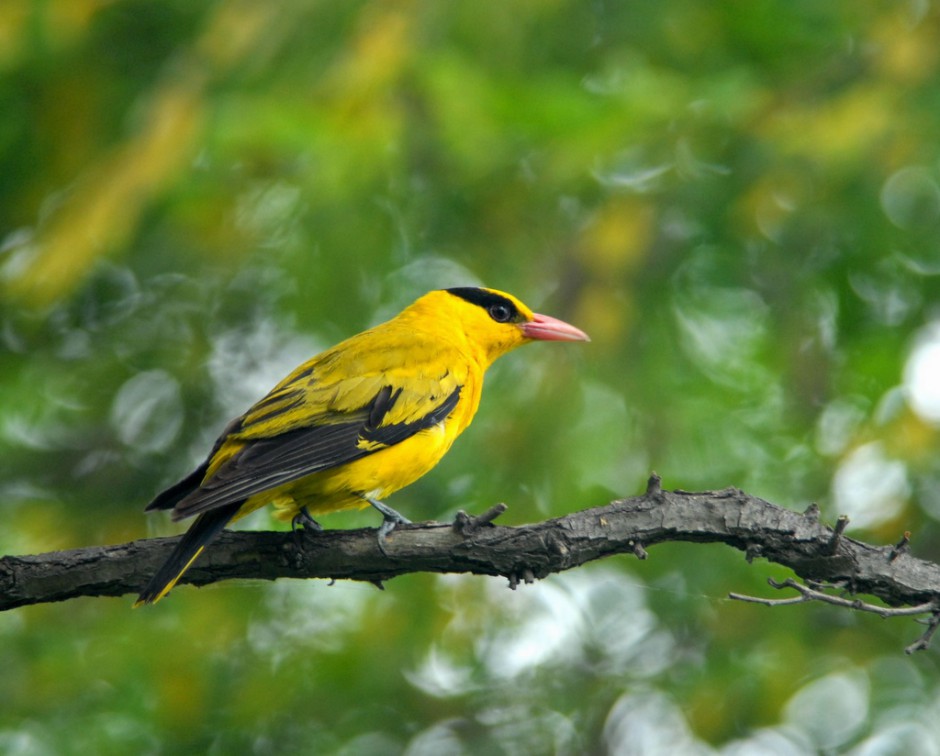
(308, 425)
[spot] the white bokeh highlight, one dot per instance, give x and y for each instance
(869, 487)
(922, 375)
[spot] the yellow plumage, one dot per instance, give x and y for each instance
(355, 423)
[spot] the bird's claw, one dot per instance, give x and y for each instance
(390, 519)
(301, 524)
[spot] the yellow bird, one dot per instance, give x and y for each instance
(355, 423)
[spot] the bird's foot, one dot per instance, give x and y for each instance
(390, 518)
(303, 523)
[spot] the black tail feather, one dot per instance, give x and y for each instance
(202, 532)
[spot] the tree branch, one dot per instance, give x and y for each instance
(819, 554)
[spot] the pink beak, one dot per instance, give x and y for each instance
(547, 328)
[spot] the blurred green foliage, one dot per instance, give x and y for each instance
(740, 201)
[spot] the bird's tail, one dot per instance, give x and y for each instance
(202, 532)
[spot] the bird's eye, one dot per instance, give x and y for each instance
(500, 313)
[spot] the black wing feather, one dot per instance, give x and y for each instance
(389, 435)
(271, 462)
(169, 498)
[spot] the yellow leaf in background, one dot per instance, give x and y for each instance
(613, 244)
(106, 203)
(236, 31)
(618, 237)
(837, 130)
(375, 55)
(105, 206)
(907, 53)
(14, 15)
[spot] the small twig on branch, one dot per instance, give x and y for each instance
(465, 524)
(901, 547)
(923, 642)
(811, 594)
(837, 532)
(808, 593)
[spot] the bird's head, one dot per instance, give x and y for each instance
(493, 322)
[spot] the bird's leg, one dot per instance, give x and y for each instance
(391, 518)
(304, 519)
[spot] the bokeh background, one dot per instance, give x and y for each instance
(739, 201)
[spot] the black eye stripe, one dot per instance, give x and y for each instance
(494, 304)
